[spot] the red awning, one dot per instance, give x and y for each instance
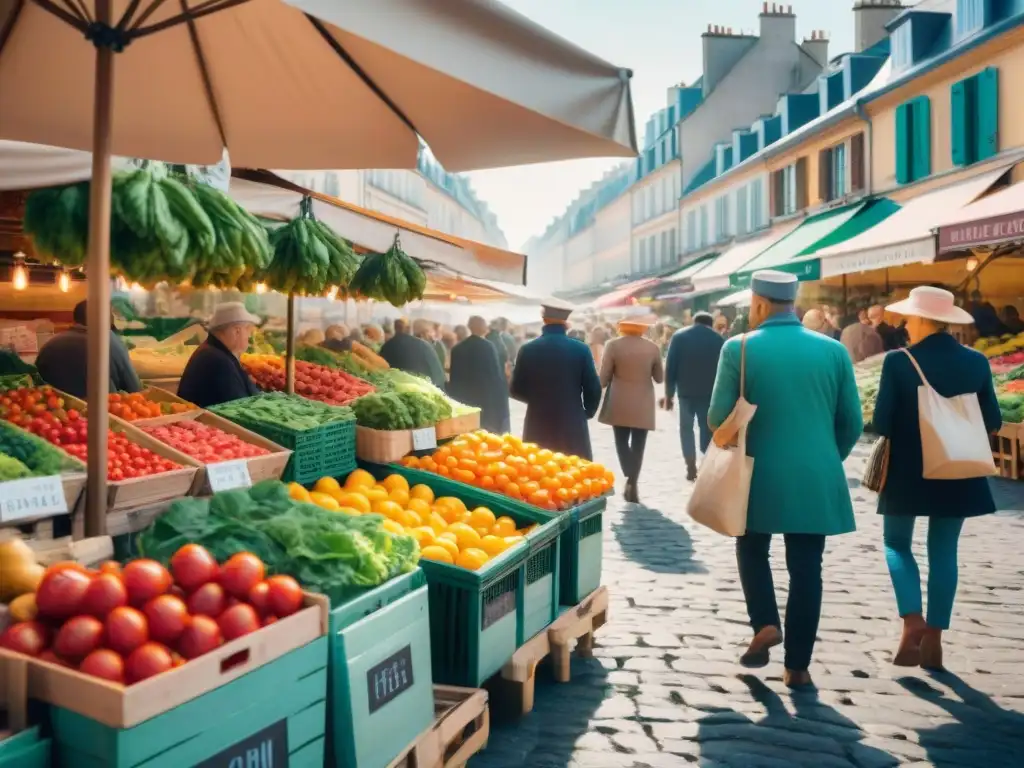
(623, 295)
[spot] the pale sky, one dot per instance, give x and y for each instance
(660, 41)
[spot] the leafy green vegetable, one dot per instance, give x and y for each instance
(400, 410)
(39, 456)
(328, 552)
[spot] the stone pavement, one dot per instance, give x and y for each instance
(664, 688)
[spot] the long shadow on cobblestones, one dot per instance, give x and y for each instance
(813, 734)
(652, 540)
(984, 736)
(562, 714)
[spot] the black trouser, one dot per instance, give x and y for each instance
(630, 443)
(803, 608)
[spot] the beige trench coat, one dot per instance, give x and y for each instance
(629, 370)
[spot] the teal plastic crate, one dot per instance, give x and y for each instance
(380, 689)
(583, 552)
(25, 750)
(280, 705)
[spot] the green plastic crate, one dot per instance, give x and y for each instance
(380, 690)
(583, 552)
(25, 750)
(287, 695)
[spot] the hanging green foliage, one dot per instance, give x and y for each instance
(394, 277)
(164, 227)
(309, 258)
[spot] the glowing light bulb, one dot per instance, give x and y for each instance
(64, 282)
(333, 293)
(261, 287)
(972, 264)
(19, 277)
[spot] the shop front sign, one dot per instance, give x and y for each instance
(991, 231)
(879, 258)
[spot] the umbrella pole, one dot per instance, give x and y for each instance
(289, 352)
(98, 269)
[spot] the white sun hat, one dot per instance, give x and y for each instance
(933, 304)
(229, 313)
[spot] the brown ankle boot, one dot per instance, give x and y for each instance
(908, 654)
(758, 653)
(931, 649)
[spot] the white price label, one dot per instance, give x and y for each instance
(424, 439)
(32, 497)
(228, 475)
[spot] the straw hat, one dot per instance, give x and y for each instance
(932, 304)
(229, 313)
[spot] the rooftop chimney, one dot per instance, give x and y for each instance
(870, 18)
(778, 23)
(722, 49)
(816, 46)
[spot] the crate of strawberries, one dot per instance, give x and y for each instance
(172, 665)
(140, 469)
(213, 440)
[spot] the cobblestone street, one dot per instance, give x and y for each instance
(665, 688)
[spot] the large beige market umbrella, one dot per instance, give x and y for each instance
(279, 88)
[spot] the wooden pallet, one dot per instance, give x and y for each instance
(577, 624)
(516, 685)
(460, 729)
(1006, 451)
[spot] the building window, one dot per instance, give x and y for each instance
(970, 16)
(913, 140)
(649, 203)
(721, 218)
(832, 175)
(691, 230)
(974, 107)
(664, 248)
(642, 260)
(789, 189)
(742, 213)
(652, 252)
(673, 253)
(705, 235)
(902, 46)
(757, 218)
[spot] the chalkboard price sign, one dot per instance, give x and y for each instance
(390, 678)
(267, 748)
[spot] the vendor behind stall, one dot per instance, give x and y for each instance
(63, 360)
(214, 374)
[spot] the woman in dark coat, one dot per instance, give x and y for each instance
(951, 369)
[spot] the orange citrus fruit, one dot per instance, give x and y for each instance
(511, 541)
(504, 526)
(327, 485)
(437, 553)
(324, 501)
(360, 478)
(437, 522)
(376, 493)
(389, 509)
(355, 500)
(493, 545)
(400, 496)
(419, 506)
(297, 492)
(472, 559)
(482, 517)
(465, 535)
(445, 543)
(422, 492)
(391, 526)
(392, 482)
(424, 535)
(349, 511)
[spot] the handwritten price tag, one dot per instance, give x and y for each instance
(228, 475)
(32, 497)
(424, 439)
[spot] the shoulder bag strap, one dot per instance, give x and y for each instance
(743, 364)
(917, 367)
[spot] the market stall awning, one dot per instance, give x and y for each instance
(266, 194)
(994, 220)
(687, 273)
(906, 236)
(623, 295)
(797, 253)
(715, 276)
(736, 299)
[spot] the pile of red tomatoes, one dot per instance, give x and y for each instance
(132, 623)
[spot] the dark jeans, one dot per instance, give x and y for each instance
(691, 408)
(803, 608)
(630, 443)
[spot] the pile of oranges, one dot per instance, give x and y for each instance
(523, 471)
(447, 531)
(135, 406)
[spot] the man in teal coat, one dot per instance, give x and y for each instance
(807, 421)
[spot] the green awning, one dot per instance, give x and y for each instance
(691, 269)
(796, 253)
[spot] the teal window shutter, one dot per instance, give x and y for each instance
(987, 129)
(960, 118)
(903, 167)
(921, 140)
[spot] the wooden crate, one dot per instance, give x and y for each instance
(120, 706)
(143, 491)
(458, 425)
(383, 446)
(460, 730)
(21, 746)
(268, 467)
(168, 385)
(1006, 451)
(74, 487)
(159, 395)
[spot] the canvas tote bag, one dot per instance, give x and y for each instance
(720, 495)
(954, 441)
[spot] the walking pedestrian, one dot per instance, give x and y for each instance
(478, 379)
(408, 353)
(861, 339)
(808, 419)
(597, 342)
(555, 376)
(690, 371)
(721, 325)
(951, 369)
(630, 367)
